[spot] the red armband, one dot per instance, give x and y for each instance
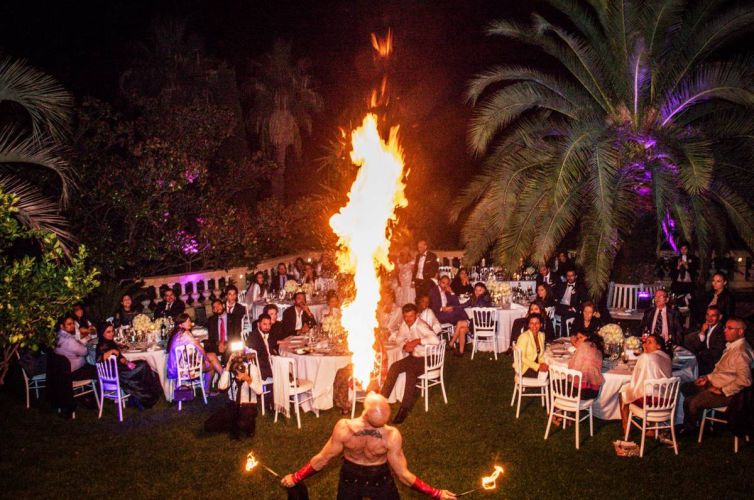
(428, 490)
(304, 472)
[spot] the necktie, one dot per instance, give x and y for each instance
(222, 330)
(658, 324)
(709, 334)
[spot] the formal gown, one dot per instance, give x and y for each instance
(405, 293)
(140, 382)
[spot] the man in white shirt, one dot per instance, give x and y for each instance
(731, 375)
(241, 413)
(414, 335)
(427, 314)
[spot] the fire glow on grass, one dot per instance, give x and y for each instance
(362, 227)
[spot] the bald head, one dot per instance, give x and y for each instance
(376, 410)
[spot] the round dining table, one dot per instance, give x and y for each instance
(505, 319)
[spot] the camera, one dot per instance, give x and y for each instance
(239, 361)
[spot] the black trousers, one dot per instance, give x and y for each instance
(412, 367)
(234, 420)
(366, 481)
(423, 287)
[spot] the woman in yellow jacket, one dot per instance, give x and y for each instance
(532, 351)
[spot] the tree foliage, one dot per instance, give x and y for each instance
(644, 115)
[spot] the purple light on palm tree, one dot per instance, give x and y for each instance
(668, 224)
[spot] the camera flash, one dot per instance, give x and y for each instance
(236, 346)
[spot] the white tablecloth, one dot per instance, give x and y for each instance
(258, 307)
(505, 319)
(607, 404)
(157, 361)
(320, 370)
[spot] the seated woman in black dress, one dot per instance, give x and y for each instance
(461, 284)
(718, 296)
(127, 311)
(522, 324)
(545, 295)
(480, 297)
(587, 323)
(136, 377)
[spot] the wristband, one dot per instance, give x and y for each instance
(304, 472)
(428, 490)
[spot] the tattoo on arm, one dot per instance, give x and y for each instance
(369, 432)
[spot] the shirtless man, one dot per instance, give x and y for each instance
(370, 450)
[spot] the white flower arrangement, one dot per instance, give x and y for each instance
(632, 343)
(611, 334)
(331, 324)
(290, 286)
(142, 324)
(308, 288)
(500, 291)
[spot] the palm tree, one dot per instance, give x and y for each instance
(644, 114)
(282, 103)
(33, 122)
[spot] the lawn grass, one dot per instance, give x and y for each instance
(163, 453)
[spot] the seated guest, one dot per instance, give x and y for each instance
(276, 328)
(546, 277)
(520, 325)
(126, 312)
(448, 309)
(720, 297)
(235, 311)
(481, 297)
(278, 282)
(654, 363)
(587, 323)
(569, 296)
(413, 335)
(531, 343)
(461, 284)
(73, 349)
(662, 320)
(240, 414)
(170, 307)
(545, 296)
(333, 305)
(427, 315)
(259, 340)
(730, 376)
(309, 276)
(389, 315)
(298, 319)
(135, 377)
(84, 327)
(563, 264)
(216, 345)
(298, 269)
(257, 291)
(588, 360)
(181, 337)
(709, 342)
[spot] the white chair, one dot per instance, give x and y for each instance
(353, 391)
(434, 368)
(709, 416)
(35, 382)
(266, 383)
(520, 384)
(295, 387)
(109, 386)
(245, 327)
(82, 388)
(445, 271)
(485, 327)
(448, 330)
(190, 369)
(557, 325)
(658, 408)
(564, 382)
(622, 296)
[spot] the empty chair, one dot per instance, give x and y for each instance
(190, 369)
(485, 327)
(287, 391)
(448, 330)
(558, 326)
(520, 384)
(709, 416)
(657, 409)
(621, 296)
(35, 382)
(109, 385)
(565, 399)
(82, 388)
(434, 368)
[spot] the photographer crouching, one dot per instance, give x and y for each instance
(239, 415)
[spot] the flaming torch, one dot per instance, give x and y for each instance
(363, 228)
(488, 482)
(252, 463)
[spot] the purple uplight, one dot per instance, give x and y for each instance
(668, 224)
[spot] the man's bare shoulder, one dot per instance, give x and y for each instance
(392, 436)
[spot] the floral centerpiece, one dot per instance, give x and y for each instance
(500, 291)
(308, 289)
(612, 335)
(142, 324)
(335, 332)
(632, 343)
(290, 288)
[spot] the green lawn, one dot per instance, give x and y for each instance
(163, 453)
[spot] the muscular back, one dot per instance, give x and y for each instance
(362, 443)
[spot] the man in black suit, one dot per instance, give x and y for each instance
(425, 268)
(709, 342)
(546, 276)
(218, 327)
(298, 319)
(258, 340)
(684, 272)
(278, 281)
(170, 307)
(276, 330)
(235, 311)
(662, 320)
(569, 295)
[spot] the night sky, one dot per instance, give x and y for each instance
(439, 45)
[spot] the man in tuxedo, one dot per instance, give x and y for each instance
(662, 320)
(709, 342)
(235, 312)
(569, 295)
(170, 307)
(217, 335)
(425, 268)
(277, 282)
(298, 319)
(684, 273)
(545, 276)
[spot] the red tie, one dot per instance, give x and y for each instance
(222, 330)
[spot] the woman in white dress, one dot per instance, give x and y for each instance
(258, 289)
(404, 291)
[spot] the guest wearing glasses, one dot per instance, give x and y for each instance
(662, 320)
(127, 311)
(730, 376)
(257, 291)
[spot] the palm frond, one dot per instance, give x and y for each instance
(738, 209)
